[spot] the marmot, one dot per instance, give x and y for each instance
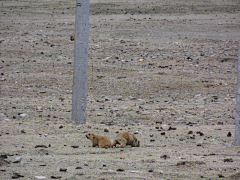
(126, 138)
(72, 37)
(99, 141)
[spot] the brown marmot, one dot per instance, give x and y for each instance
(99, 141)
(72, 37)
(125, 139)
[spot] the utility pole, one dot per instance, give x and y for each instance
(237, 121)
(79, 97)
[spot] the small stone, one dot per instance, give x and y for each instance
(165, 127)
(16, 176)
(106, 130)
(56, 177)
(75, 146)
(23, 115)
(229, 134)
(41, 146)
(171, 128)
(131, 98)
(17, 159)
(16, 117)
(40, 177)
(22, 131)
(120, 170)
(228, 160)
(163, 133)
(3, 156)
(63, 169)
(165, 156)
(221, 176)
(190, 132)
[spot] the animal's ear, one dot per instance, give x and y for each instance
(93, 136)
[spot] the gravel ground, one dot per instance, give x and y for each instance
(164, 70)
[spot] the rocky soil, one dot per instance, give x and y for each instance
(164, 70)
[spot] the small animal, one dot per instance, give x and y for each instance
(72, 37)
(100, 141)
(125, 139)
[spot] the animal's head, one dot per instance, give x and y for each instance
(137, 143)
(90, 136)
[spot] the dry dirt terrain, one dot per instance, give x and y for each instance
(163, 70)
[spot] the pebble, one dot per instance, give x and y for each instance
(40, 177)
(23, 115)
(17, 159)
(165, 156)
(63, 169)
(131, 98)
(120, 170)
(229, 134)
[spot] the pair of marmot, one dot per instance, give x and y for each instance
(123, 139)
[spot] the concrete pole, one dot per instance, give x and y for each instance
(79, 97)
(237, 121)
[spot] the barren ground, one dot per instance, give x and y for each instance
(164, 70)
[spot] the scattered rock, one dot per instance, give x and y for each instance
(165, 156)
(18, 159)
(24, 115)
(220, 176)
(41, 146)
(120, 170)
(106, 130)
(63, 169)
(40, 177)
(22, 131)
(16, 176)
(171, 128)
(131, 98)
(3, 156)
(229, 134)
(75, 146)
(228, 160)
(56, 177)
